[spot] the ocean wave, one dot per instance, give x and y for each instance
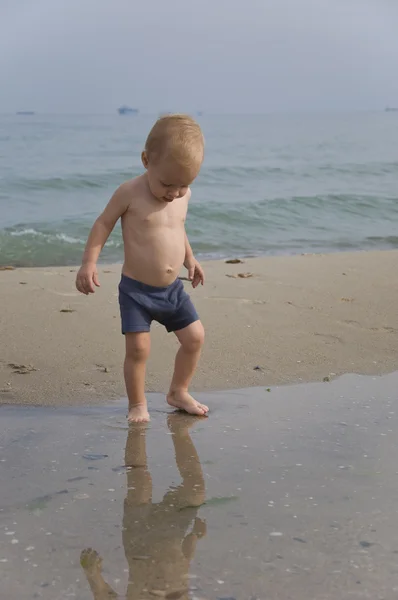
(297, 170)
(215, 233)
(224, 173)
(50, 237)
(27, 233)
(363, 169)
(215, 175)
(317, 223)
(104, 180)
(392, 240)
(33, 233)
(68, 182)
(337, 206)
(24, 232)
(31, 246)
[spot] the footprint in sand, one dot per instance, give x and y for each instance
(300, 306)
(240, 275)
(330, 337)
(351, 322)
(385, 329)
(22, 369)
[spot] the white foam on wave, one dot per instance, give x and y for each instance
(68, 239)
(23, 232)
(53, 237)
(63, 237)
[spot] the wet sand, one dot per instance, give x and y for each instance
(282, 494)
(296, 319)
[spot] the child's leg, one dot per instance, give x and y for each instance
(139, 481)
(192, 491)
(137, 513)
(191, 339)
(137, 351)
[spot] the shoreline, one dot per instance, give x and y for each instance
(297, 318)
(210, 258)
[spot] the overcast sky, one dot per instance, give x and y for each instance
(234, 56)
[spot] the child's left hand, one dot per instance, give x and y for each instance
(195, 272)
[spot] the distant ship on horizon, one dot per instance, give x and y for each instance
(391, 109)
(25, 112)
(127, 110)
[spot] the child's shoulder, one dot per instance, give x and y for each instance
(128, 190)
(131, 185)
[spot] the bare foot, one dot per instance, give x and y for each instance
(179, 423)
(183, 401)
(138, 414)
(91, 563)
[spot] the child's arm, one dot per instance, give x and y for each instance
(195, 271)
(87, 276)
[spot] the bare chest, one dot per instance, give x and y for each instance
(153, 216)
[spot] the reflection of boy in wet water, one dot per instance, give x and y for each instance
(157, 547)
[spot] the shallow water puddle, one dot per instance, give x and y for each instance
(284, 494)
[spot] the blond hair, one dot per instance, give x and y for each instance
(178, 137)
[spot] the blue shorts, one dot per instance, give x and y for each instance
(140, 304)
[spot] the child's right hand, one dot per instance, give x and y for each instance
(87, 278)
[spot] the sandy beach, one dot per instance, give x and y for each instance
(302, 318)
(298, 484)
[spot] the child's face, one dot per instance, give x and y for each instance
(168, 180)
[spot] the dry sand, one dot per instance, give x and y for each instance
(297, 318)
